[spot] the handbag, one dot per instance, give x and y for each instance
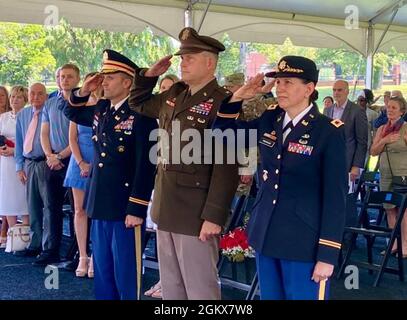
(18, 238)
(399, 183)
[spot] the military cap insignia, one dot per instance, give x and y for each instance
(185, 34)
(337, 123)
(284, 67)
(105, 56)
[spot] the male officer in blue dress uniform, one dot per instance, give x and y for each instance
(297, 220)
(122, 177)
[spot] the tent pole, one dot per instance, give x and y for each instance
(204, 15)
(188, 20)
(369, 57)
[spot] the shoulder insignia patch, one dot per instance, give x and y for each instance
(337, 123)
(272, 106)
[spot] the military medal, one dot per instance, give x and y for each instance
(306, 136)
(265, 175)
(127, 132)
(201, 120)
(300, 148)
(190, 118)
(171, 103)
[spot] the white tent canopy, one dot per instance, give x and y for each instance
(313, 23)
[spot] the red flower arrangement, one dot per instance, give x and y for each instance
(234, 245)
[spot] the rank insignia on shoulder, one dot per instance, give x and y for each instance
(337, 123)
(272, 106)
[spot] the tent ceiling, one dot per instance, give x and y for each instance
(313, 23)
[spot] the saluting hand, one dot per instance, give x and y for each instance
(208, 230)
(91, 84)
(160, 67)
(251, 88)
(132, 221)
(322, 271)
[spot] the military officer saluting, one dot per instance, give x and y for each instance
(297, 220)
(191, 200)
(122, 178)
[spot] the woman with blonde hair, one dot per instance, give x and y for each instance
(4, 107)
(12, 191)
(80, 142)
(390, 143)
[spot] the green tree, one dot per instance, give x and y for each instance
(84, 47)
(229, 60)
(24, 55)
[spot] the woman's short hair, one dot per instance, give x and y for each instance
(329, 98)
(20, 90)
(402, 103)
(171, 77)
(5, 91)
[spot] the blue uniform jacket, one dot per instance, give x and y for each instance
(299, 212)
(122, 176)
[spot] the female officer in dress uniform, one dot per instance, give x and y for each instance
(297, 220)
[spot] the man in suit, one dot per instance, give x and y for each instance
(122, 177)
(356, 135)
(356, 127)
(191, 201)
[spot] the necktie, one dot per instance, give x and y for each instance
(288, 126)
(287, 129)
(29, 136)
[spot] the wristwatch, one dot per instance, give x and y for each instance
(59, 157)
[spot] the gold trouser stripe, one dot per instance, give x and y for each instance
(227, 115)
(330, 243)
(137, 238)
(138, 201)
(322, 288)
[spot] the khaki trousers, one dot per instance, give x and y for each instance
(188, 267)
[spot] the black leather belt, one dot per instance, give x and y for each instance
(36, 159)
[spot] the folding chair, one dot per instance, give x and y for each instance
(371, 232)
(370, 181)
